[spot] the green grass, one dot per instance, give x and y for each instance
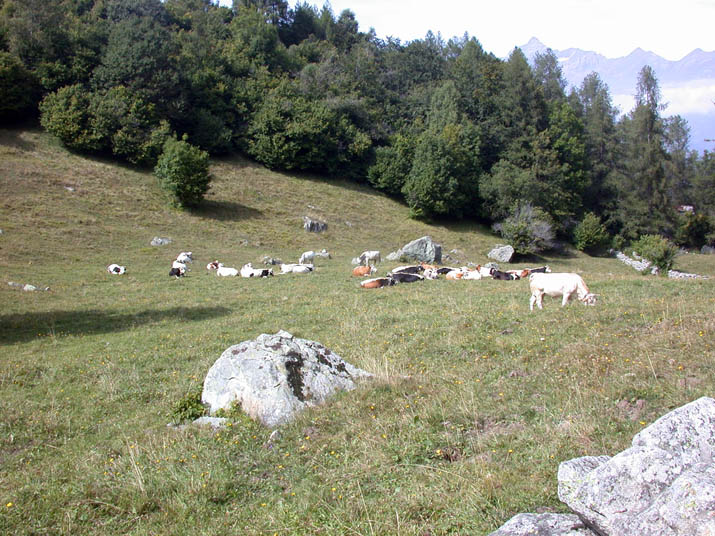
(475, 403)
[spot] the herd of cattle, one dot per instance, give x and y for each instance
(541, 280)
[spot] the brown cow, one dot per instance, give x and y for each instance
(377, 282)
(362, 271)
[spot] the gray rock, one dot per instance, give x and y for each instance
(707, 250)
(544, 525)
(159, 241)
(29, 288)
(355, 261)
(314, 226)
(663, 485)
(217, 423)
(275, 376)
(394, 256)
(423, 250)
(271, 261)
(501, 253)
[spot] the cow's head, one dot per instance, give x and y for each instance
(589, 299)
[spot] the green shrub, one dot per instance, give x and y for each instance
(183, 171)
(18, 88)
(528, 230)
(692, 230)
(66, 114)
(590, 234)
(658, 250)
(189, 407)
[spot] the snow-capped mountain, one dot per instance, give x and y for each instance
(687, 85)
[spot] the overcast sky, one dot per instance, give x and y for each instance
(614, 28)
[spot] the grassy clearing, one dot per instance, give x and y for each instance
(476, 401)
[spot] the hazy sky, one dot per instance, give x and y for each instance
(614, 28)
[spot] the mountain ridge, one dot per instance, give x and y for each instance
(687, 85)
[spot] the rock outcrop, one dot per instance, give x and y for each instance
(420, 250)
(664, 485)
(501, 253)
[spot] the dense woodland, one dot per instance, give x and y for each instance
(445, 126)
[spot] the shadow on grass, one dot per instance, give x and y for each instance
(23, 327)
(12, 138)
(225, 211)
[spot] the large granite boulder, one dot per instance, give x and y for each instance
(422, 250)
(663, 485)
(275, 376)
(501, 253)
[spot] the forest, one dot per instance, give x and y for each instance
(442, 125)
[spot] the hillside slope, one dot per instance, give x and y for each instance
(475, 403)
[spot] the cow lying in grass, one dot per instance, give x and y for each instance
(115, 269)
(247, 270)
(296, 268)
(363, 271)
(177, 272)
(564, 285)
(225, 271)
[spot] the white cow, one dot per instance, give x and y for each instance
(367, 256)
(249, 271)
(115, 269)
(179, 265)
(225, 271)
(564, 285)
(307, 257)
(185, 256)
(471, 274)
(296, 268)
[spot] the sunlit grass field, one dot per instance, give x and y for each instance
(475, 402)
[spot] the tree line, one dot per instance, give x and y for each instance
(446, 127)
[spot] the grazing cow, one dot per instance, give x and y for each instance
(247, 270)
(212, 266)
(296, 268)
(115, 269)
(401, 277)
(225, 271)
(177, 272)
(367, 256)
(413, 269)
(185, 256)
(307, 257)
(377, 282)
(564, 285)
(362, 271)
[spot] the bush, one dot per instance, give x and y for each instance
(183, 171)
(188, 408)
(590, 234)
(657, 250)
(66, 114)
(528, 230)
(693, 230)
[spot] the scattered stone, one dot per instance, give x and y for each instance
(394, 256)
(217, 423)
(501, 253)
(271, 260)
(16, 285)
(275, 376)
(544, 524)
(314, 226)
(159, 241)
(641, 264)
(29, 288)
(705, 250)
(422, 250)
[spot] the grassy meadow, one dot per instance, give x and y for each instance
(475, 403)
